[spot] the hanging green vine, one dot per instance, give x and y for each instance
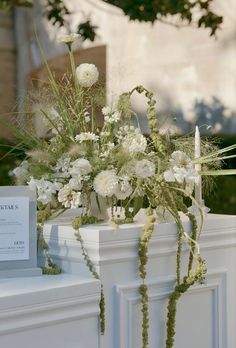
(194, 275)
(52, 268)
(76, 224)
(143, 259)
(157, 140)
(197, 274)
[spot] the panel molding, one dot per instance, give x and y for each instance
(105, 246)
(48, 313)
(126, 297)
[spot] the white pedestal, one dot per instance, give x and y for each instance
(49, 311)
(206, 315)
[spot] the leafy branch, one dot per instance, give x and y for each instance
(141, 10)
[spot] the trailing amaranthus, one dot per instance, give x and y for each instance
(76, 224)
(143, 259)
(52, 268)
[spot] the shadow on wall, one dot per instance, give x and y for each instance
(213, 116)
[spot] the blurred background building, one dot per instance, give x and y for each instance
(192, 74)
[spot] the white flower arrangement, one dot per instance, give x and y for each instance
(73, 161)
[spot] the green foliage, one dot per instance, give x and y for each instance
(76, 223)
(222, 198)
(143, 259)
(151, 11)
(8, 161)
(56, 12)
(5, 4)
(87, 30)
(141, 10)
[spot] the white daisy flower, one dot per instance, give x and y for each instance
(85, 136)
(70, 38)
(106, 110)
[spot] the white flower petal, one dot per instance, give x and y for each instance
(87, 74)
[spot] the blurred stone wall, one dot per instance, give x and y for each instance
(7, 69)
(191, 73)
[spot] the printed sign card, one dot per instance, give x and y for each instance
(14, 228)
(18, 232)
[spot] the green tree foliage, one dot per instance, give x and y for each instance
(154, 10)
(141, 10)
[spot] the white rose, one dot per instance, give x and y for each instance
(87, 74)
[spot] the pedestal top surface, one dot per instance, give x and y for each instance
(46, 288)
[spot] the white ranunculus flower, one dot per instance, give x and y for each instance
(87, 74)
(134, 143)
(105, 183)
(144, 168)
(80, 166)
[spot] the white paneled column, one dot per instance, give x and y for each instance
(49, 311)
(206, 315)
